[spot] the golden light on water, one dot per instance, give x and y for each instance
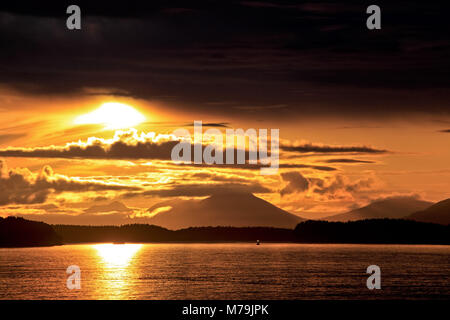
(113, 115)
(117, 269)
(117, 255)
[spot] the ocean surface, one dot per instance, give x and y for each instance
(226, 271)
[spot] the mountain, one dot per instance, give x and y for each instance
(18, 232)
(393, 208)
(437, 213)
(115, 206)
(229, 209)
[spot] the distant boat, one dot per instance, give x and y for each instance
(118, 242)
(257, 242)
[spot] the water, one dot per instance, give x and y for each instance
(225, 271)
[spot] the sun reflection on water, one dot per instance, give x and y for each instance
(117, 270)
(117, 255)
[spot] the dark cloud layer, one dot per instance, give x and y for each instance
(347, 161)
(201, 190)
(117, 150)
(259, 166)
(308, 148)
(161, 151)
(129, 145)
(312, 58)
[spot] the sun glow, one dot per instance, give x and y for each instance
(117, 255)
(113, 115)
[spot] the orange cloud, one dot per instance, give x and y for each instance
(21, 186)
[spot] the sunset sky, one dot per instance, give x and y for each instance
(362, 114)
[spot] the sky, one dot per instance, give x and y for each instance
(86, 115)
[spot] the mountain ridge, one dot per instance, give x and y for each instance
(436, 213)
(391, 208)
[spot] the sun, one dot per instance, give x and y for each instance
(113, 115)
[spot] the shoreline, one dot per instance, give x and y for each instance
(233, 242)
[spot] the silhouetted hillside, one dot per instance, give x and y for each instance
(437, 213)
(364, 231)
(150, 233)
(224, 234)
(18, 232)
(372, 231)
(126, 233)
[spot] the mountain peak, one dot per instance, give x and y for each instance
(228, 194)
(237, 209)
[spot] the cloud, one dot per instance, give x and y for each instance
(320, 48)
(328, 188)
(214, 176)
(445, 131)
(339, 186)
(158, 210)
(128, 144)
(410, 196)
(125, 145)
(201, 190)
(312, 148)
(116, 218)
(347, 161)
(258, 166)
(211, 124)
(261, 108)
(21, 186)
(4, 138)
(296, 182)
